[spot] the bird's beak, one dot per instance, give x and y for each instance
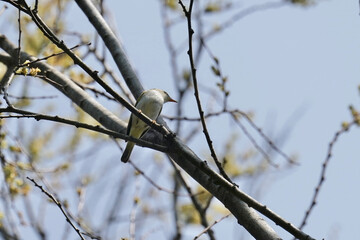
(172, 100)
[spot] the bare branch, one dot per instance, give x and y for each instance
(201, 210)
(50, 56)
(59, 206)
(37, 116)
(323, 171)
(134, 208)
(196, 91)
(93, 14)
(114, 46)
(231, 196)
(234, 114)
(209, 227)
(155, 184)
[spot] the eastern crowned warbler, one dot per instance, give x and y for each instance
(150, 103)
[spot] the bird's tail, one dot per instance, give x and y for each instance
(127, 152)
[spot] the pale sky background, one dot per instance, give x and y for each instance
(279, 62)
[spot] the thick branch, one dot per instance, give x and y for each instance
(74, 92)
(237, 202)
(113, 44)
(94, 74)
(69, 88)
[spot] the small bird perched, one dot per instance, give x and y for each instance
(149, 103)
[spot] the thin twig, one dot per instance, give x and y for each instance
(155, 184)
(107, 69)
(19, 37)
(50, 56)
(267, 139)
(94, 90)
(31, 98)
(183, 83)
(218, 73)
(201, 210)
(325, 164)
(136, 200)
(94, 74)
(97, 128)
(233, 114)
(59, 206)
(117, 199)
(176, 213)
(6, 97)
(210, 226)
(196, 91)
(254, 143)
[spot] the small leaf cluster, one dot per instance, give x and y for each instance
(14, 181)
(223, 79)
(355, 114)
(27, 70)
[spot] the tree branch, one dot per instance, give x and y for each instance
(323, 172)
(209, 227)
(59, 206)
(97, 128)
(113, 44)
(94, 74)
(196, 91)
(237, 202)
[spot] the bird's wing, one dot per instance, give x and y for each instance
(138, 99)
(148, 127)
(131, 116)
(129, 125)
(159, 113)
(145, 131)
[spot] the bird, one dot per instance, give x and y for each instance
(150, 103)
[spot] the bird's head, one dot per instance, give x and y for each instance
(166, 96)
